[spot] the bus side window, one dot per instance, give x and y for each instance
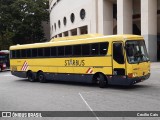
(77, 50)
(34, 52)
(60, 51)
(103, 48)
(54, 51)
(18, 54)
(23, 53)
(68, 50)
(29, 53)
(94, 49)
(13, 54)
(86, 50)
(47, 52)
(118, 55)
(40, 52)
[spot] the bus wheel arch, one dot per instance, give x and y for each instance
(101, 79)
(30, 76)
(41, 76)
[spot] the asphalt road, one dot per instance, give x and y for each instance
(17, 94)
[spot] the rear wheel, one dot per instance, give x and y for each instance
(41, 77)
(30, 76)
(101, 80)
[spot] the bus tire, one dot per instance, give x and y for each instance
(102, 81)
(30, 76)
(0, 69)
(41, 77)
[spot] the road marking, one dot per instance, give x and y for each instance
(88, 106)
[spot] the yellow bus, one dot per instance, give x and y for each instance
(93, 58)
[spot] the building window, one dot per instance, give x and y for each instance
(60, 35)
(65, 21)
(58, 1)
(59, 23)
(54, 5)
(84, 30)
(72, 17)
(74, 32)
(66, 33)
(82, 14)
(55, 26)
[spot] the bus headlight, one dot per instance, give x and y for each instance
(134, 74)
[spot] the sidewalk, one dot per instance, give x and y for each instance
(155, 65)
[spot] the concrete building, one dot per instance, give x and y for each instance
(108, 17)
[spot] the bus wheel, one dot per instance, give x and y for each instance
(0, 69)
(41, 77)
(30, 76)
(102, 81)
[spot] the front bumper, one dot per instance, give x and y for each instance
(138, 79)
(124, 80)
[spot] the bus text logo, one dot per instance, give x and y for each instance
(74, 62)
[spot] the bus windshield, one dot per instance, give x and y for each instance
(136, 51)
(2, 58)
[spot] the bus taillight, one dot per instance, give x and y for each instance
(4, 65)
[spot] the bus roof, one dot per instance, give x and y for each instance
(83, 39)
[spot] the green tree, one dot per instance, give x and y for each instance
(21, 21)
(5, 24)
(6, 40)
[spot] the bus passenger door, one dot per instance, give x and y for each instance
(118, 61)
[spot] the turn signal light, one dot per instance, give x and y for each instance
(130, 75)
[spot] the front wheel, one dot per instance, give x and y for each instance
(102, 81)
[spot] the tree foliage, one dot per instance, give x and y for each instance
(21, 21)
